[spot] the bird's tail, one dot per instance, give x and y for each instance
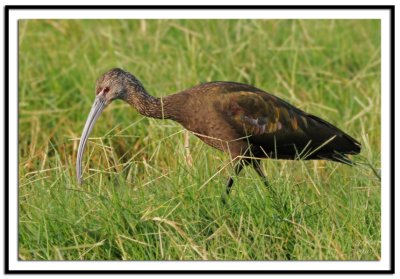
(342, 144)
(339, 149)
(353, 146)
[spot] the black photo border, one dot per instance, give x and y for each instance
(9, 8)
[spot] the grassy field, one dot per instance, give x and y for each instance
(141, 199)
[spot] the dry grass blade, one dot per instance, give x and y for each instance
(199, 250)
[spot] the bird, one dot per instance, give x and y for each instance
(246, 122)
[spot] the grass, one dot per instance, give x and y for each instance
(141, 200)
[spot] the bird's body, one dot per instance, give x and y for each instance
(246, 121)
(240, 119)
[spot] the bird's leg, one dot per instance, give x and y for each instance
(238, 167)
(229, 184)
(257, 167)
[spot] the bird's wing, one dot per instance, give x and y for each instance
(259, 113)
(278, 127)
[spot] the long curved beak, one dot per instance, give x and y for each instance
(97, 107)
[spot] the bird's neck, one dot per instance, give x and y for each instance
(148, 105)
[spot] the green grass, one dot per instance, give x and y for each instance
(141, 200)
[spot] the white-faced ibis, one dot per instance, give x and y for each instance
(240, 119)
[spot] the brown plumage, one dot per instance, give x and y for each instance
(240, 119)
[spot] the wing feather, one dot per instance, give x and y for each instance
(256, 114)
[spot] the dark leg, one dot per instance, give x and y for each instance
(258, 169)
(238, 167)
(229, 184)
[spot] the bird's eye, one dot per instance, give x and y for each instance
(106, 89)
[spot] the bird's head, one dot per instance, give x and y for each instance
(110, 86)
